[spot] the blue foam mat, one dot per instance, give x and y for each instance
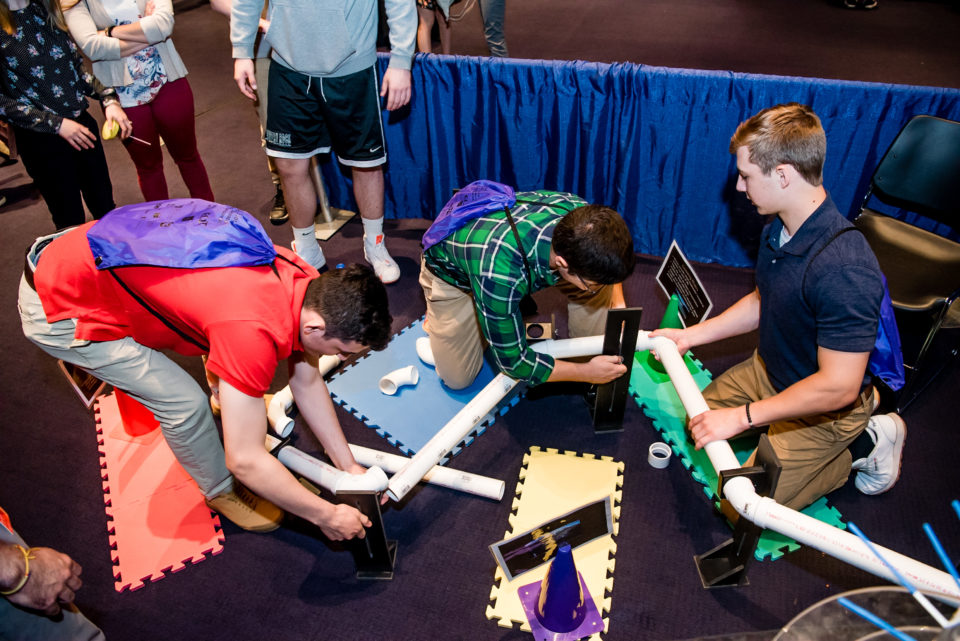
(414, 414)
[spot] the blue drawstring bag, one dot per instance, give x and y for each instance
(476, 199)
(886, 359)
(183, 233)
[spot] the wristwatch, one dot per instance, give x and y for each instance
(109, 97)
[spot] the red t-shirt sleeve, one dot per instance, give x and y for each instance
(243, 354)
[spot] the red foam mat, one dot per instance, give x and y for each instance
(157, 520)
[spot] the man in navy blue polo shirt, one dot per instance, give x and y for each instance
(816, 306)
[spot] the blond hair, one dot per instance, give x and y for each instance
(788, 134)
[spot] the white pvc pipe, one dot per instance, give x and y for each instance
(328, 363)
(570, 347)
(457, 429)
(277, 408)
(767, 513)
(326, 475)
(282, 401)
(474, 412)
(475, 484)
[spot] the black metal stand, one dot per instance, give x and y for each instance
(374, 554)
(620, 338)
(726, 565)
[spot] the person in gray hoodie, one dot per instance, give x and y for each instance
(323, 95)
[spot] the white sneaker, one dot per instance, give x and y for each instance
(317, 261)
(377, 255)
(425, 351)
(880, 470)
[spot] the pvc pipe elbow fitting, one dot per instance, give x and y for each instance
(280, 404)
(398, 378)
(373, 480)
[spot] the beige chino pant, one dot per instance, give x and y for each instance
(455, 336)
(812, 450)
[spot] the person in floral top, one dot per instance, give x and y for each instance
(131, 49)
(43, 96)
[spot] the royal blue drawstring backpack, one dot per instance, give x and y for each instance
(183, 233)
(476, 199)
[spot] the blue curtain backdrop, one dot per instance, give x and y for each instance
(650, 142)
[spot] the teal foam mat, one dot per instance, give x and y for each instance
(658, 399)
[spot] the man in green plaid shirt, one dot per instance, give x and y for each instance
(474, 279)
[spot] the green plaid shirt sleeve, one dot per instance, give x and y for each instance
(483, 258)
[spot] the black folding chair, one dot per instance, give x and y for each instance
(920, 173)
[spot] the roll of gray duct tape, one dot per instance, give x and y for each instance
(659, 455)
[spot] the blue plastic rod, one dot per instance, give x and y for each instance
(919, 596)
(874, 619)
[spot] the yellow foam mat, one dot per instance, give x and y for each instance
(551, 484)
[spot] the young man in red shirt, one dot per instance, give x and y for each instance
(245, 320)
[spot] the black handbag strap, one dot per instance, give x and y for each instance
(516, 234)
(170, 324)
(523, 251)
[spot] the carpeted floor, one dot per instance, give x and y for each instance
(292, 585)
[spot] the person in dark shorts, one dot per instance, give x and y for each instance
(324, 95)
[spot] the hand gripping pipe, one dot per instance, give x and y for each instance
(326, 475)
(474, 412)
(767, 513)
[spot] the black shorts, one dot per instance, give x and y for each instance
(308, 115)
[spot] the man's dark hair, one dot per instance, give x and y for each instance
(595, 242)
(353, 303)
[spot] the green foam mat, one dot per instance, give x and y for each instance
(658, 399)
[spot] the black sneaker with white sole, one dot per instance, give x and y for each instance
(278, 213)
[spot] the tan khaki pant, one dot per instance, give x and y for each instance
(812, 450)
(455, 336)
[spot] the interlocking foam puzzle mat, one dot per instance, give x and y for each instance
(553, 483)
(157, 519)
(414, 414)
(659, 401)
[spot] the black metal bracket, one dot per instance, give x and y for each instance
(620, 338)
(374, 555)
(281, 443)
(726, 565)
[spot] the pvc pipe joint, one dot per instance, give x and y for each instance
(392, 382)
(280, 404)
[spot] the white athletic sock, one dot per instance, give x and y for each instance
(373, 230)
(306, 245)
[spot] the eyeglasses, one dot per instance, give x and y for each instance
(587, 288)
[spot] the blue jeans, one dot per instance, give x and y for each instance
(494, 15)
(174, 397)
